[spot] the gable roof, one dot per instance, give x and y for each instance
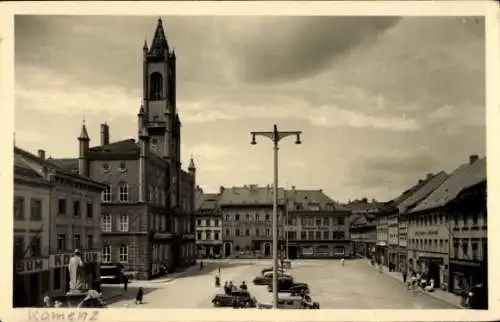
(424, 190)
(463, 177)
(127, 145)
(207, 201)
(317, 197)
(249, 195)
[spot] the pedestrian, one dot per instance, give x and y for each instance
(201, 264)
(342, 261)
(125, 283)
(226, 288)
(138, 297)
(405, 275)
(243, 286)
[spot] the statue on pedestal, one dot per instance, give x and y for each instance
(76, 274)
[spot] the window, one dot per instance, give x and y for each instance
(155, 86)
(237, 233)
(310, 235)
(90, 242)
(76, 208)
(247, 217)
(106, 194)
(19, 247)
(90, 210)
(341, 221)
(227, 218)
(257, 232)
(318, 235)
(123, 223)
(199, 222)
(123, 258)
(76, 241)
(228, 232)
(237, 217)
(216, 235)
(465, 248)
(303, 235)
(217, 224)
(257, 217)
(318, 221)
(247, 232)
(36, 246)
(441, 245)
(106, 254)
(338, 235)
(475, 216)
(123, 192)
(325, 221)
(57, 278)
(326, 235)
(267, 216)
(61, 207)
(106, 223)
(268, 232)
(61, 242)
(18, 208)
(475, 249)
(292, 235)
(36, 209)
(198, 234)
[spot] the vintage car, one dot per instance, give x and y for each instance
(270, 269)
(291, 302)
(290, 286)
(267, 278)
(237, 298)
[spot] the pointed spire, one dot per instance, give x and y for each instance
(145, 47)
(159, 43)
(191, 166)
(84, 136)
(141, 111)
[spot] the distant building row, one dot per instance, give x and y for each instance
(438, 226)
(237, 222)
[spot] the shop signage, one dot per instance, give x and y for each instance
(62, 259)
(465, 263)
(162, 236)
(430, 232)
(32, 265)
(381, 243)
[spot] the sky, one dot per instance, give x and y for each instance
(381, 101)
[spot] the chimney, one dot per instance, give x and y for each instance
(429, 175)
(41, 154)
(104, 134)
(221, 189)
(473, 158)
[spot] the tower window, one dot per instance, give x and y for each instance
(155, 86)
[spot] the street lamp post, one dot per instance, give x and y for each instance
(275, 136)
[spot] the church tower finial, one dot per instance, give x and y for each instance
(159, 44)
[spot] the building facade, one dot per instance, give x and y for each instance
(316, 226)
(363, 235)
(208, 226)
(429, 224)
(148, 221)
(247, 220)
(64, 212)
(469, 248)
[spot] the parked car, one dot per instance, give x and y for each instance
(238, 298)
(292, 302)
(267, 278)
(290, 286)
(112, 274)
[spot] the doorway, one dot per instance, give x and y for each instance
(292, 252)
(267, 249)
(227, 249)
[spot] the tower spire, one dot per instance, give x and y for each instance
(159, 43)
(84, 135)
(191, 166)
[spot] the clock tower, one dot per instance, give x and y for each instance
(159, 94)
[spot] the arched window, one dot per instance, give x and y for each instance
(156, 86)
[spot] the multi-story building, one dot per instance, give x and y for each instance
(148, 205)
(64, 212)
(208, 226)
(382, 229)
(247, 219)
(469, 236)
(426, 187)
(429, 225)
(316, 226)
(363, 235)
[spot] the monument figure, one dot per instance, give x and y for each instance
(76, 274)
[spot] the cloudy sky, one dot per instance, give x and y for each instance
(381, 101)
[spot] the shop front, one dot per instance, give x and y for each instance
(381, 253)
(435, 267)
(402, 260)
(465, 274)
(31, 282)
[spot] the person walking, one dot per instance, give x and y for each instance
(139, 296)
(342, 261)
(405, 275)
(125, 283)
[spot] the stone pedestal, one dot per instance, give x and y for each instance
(73, 298)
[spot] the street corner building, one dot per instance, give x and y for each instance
(208, 225)
(447, 231)
(55, 212)
(147, 220)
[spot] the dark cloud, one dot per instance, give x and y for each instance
(295, 47)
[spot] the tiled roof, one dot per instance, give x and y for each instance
(307, 197)
(207, 201)
(463, 177)
(359, 206)
(248, 195)
(126, 145)
(425, 190)
(66, 164)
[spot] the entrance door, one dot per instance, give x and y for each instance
(267, 250)
(227, 249)
(292, 252)
(434, 273)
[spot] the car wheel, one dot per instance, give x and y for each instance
(216, 303)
